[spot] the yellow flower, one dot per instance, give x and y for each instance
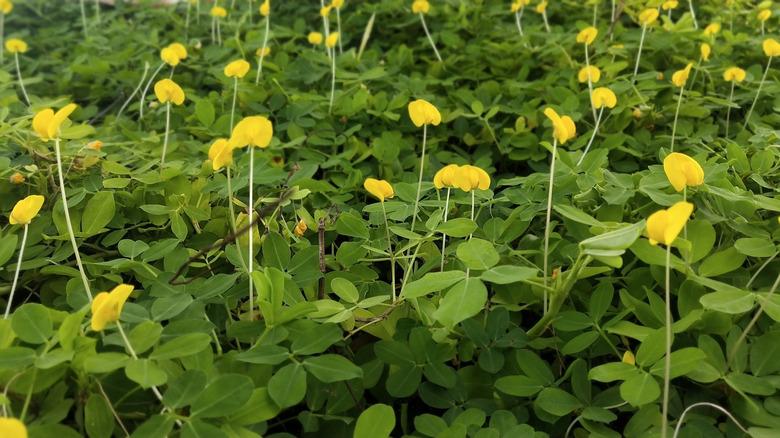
(107, 306)
(712, 29)
(669, 4)
(589, 71)
(587, 35)
(563, 127)
(11, 427)
(445, 177)
(170, 56)
(265, 8)
(421, 6)
(734, 74)
(300, 228)
(95, 145)
(648, 17)
(237, 69)
(325, 11)
(764, 15)
(263, 51)
(771, 47)
(168, 91)
(541, 7)
(6, 6)
(180, 50)
(705, 51)
(46, 123)
(423, 112)
(315, 38)
(683, 171)
(337, 4)
(15, 45)
(220, 154)
(255, 131)
(218, 11)
(603, 97)
(469, 178)
(664, 226)
(25, 210)
(628, 356)
(17, 178)
(681, 76)
(379, 188)
(519, 4)
(332, 40)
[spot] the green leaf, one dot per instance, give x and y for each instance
(145, 372)
(331, 368)
(264, 354)
(478, 254)
(316, 340)
(181, 346)
(16, 357)
(183, 390)
(721, 263)
(640, 389)
(32, 323)
(616, 240)
(458, 227)
(351, 225)
(557, 402)
(683, 360)
(378, 421)
(98, 419)
(755, 247)
(519, 386)
(204, 111)
(345, 290)
(169, 307)
(287, 386)
(97, 214)
(223, 396)
(507, 274)
(462, 301)
(576, 215)
(432, 282)
(731, 302)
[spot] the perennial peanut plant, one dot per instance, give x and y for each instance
(422, 218)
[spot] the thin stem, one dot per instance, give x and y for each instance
(332, 83)
(593, 136)
(547, 222)
(219, 32)
(167, 132)
(97, 10)
(668, 356)
(83, 17)
(135, 356)
(233, 226)
(728, 109)
(693, 14)
(590, 83)
(250, 218)
(28, 398)
(753, 321)
(390, 250)
(430, 39)
(338, 28)
(262, 51)
(135, 91)
(762, 28)
(676, 114)
(518, 16)
(16, 274)
(68, 222)
(146, 89)
(546, 23)
(233, 106)
(639, 53)
(758, 92)
(472, 210)
(612, 14)
(711, 405)
(419, 181)
(21, 83)
(187, 21)
(444, 236)
(2, 37)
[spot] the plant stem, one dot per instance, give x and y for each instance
(21, 83)
(97, 10)
(137, 88)
(668, 356)
(390, 250)
(135, 356)
(83, 18)
(676, 114)
(595, 130)
(332, 83)
(250, 218)
(419, 181)
(233, 106)
(760, 85)
(472, 210)
(639, 53)
(2, 38)
(262, 52)
(518, 17)
(16, 274)
(546, 23)
(559, 296)
(444, 236)
(68, 222)
(187, 21)
(233, 216)
(547, 222)
(146, 89)
(590, 83)
(693, 14)
(430, 39)
(167, 132)
(728, 109)
(753, 321)
(338, 29)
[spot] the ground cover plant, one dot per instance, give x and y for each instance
(389, 218)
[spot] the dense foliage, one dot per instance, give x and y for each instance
(358, 324)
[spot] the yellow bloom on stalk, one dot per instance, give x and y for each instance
(315, 38)
(764, 15)
(669, 4)
(332, 40)
(705, 51)
(587, 35)
(168, 91)
(179, 49)
(681, 76)
(712, 29)
(47, 123)
(628, 356)
(300, 228)
(107, 306)
(421, 6)
(25, 210)
(541, 7)
(771, 47)
(15, 45)
(423, 112)
(683, 171)
(603, 97)
(237, 69)
(170, 56)
(563, 127)
(589, 71)
(519, 4)
(664, 226)
(263, 51)
(734, 74)
(445, 177)
(325, 11)
(6, 6)
(469, 178)
(265, 8)
(379, 188)
(648, 17)
(218, 12)
(255, 131)
(338, 4)
(12, 427)
(220, 154)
